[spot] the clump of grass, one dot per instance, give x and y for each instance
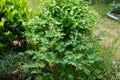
(34, 4)
(101, 8)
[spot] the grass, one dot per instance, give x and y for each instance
(34, 4)
(108, 27)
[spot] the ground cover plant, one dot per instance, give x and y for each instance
(10, 65)
(115, 10)
(110, 1)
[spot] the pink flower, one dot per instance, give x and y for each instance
(16, 42)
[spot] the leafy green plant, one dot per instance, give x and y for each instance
(62, 44)
(116, 9)
(111, 1)
(11, 64)
(12, 15)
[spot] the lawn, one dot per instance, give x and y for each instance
(33, 4)
(109, 28)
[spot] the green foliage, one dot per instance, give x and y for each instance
(104, 1)
(111, 1)
(9, 63)
(91, 1)
(62, 44)
(116, 8)
(12, 15)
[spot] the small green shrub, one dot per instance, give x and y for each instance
(116, 9)
(111, 1)
(12, 15)
(11, 63)
(62, 44)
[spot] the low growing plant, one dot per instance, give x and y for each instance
(11, 65)
(116, 8)
(111, 1)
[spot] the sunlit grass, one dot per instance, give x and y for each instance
(109, 27)
(34, 4)
(37, 4)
